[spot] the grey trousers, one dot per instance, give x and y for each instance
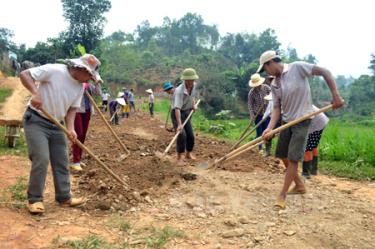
(46, 143)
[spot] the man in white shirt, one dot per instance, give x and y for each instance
(59, 92)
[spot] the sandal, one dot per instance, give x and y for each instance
(36, 207)
(280, 204)
(73, 202)
(294, 191)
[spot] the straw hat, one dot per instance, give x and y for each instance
(88, 62)
(268, 97)
(189, 74)
(120, 95)
(121, 101)
(256, 80)
(265, 57)
(149, 91)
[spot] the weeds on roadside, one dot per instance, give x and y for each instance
(159, 238)
(17, 193)
(91, 242)
(116, 221)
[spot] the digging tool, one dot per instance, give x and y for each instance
(87, 150)
(108, 125)
(248, 134)
(244, 147)
(178, 133)
(166, 121)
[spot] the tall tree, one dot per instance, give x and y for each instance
(5, 39)
(372, 64)
(86, 22)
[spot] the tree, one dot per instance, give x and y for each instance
(86, 22)
(372, 64)
(5, 40)
(362, 95)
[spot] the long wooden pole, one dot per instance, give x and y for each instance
(87, 150)
(178, 133)
(273, 132)
(106, 122)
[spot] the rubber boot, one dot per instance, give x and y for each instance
(314, 166)
(306, 169)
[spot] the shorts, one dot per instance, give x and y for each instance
(292, 141)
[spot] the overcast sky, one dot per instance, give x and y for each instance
(339, 33)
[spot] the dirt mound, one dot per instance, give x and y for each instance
(1, 75)
(15, 105)
(146, 174)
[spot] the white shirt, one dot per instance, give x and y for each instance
(105, 96)
(58, 89)
(269, 109)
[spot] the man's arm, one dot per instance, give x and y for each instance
(337, 101)
(178, 119)
(69, 120)
(275, 117)
(29, 83)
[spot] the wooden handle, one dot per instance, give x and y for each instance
(275, 131)
(83, 147)
(106, 122)
(178, 133)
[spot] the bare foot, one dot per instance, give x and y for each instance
(190, 156)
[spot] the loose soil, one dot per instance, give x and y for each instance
(230, 207)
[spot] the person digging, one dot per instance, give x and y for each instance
(169, 88)
(292, 100)
(59, 92)
(184, 103)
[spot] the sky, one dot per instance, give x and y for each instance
(340, 34)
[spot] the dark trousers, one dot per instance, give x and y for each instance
(186, 139)
(81, 125)
(104, 105)
(261, 128)
(151, 109)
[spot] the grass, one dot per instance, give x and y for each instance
(346, 149)
(91, 242)
(15, 194)
(118, 222)
(5, 93)
(160, 237)
(19, 150)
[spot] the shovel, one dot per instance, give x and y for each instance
(122, 157)
(166, 121)
(87, 150)
(162, 155)
(259, 140)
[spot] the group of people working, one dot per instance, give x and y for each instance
(62, 91)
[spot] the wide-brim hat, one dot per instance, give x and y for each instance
(88, 62)
(256, 80)
(121, 101)
(120, 95)
(167, 86)
(268, 97)
(189, 74)
(265, 57)
(149, 91)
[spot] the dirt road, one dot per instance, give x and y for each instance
(231, 207)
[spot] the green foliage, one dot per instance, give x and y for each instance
(91, 242)
(5, 93)
(362, 96)
(86, 22)
(159, 238)
(116, 221)
(18, 190)
(372, 64)
(6, 40)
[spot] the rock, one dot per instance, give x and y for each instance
(63, 223)
(270, 224)
(191, 203)
(258, 239)
(137, 196)
(217, 246)
(230, 222)
(215, 202)
(133, 209)
(243, 220)
(103, 205)
(238, 232)
(201, 215)
(290, 232)
(117, 200)
(175, 203)
(148, 200)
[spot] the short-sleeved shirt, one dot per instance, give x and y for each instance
(151, 98)
(182, 99)
(131, 96)
(319, 122)
(58, 90)
(105, 96)
(291, 91)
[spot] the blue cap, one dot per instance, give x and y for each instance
(167, 86)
